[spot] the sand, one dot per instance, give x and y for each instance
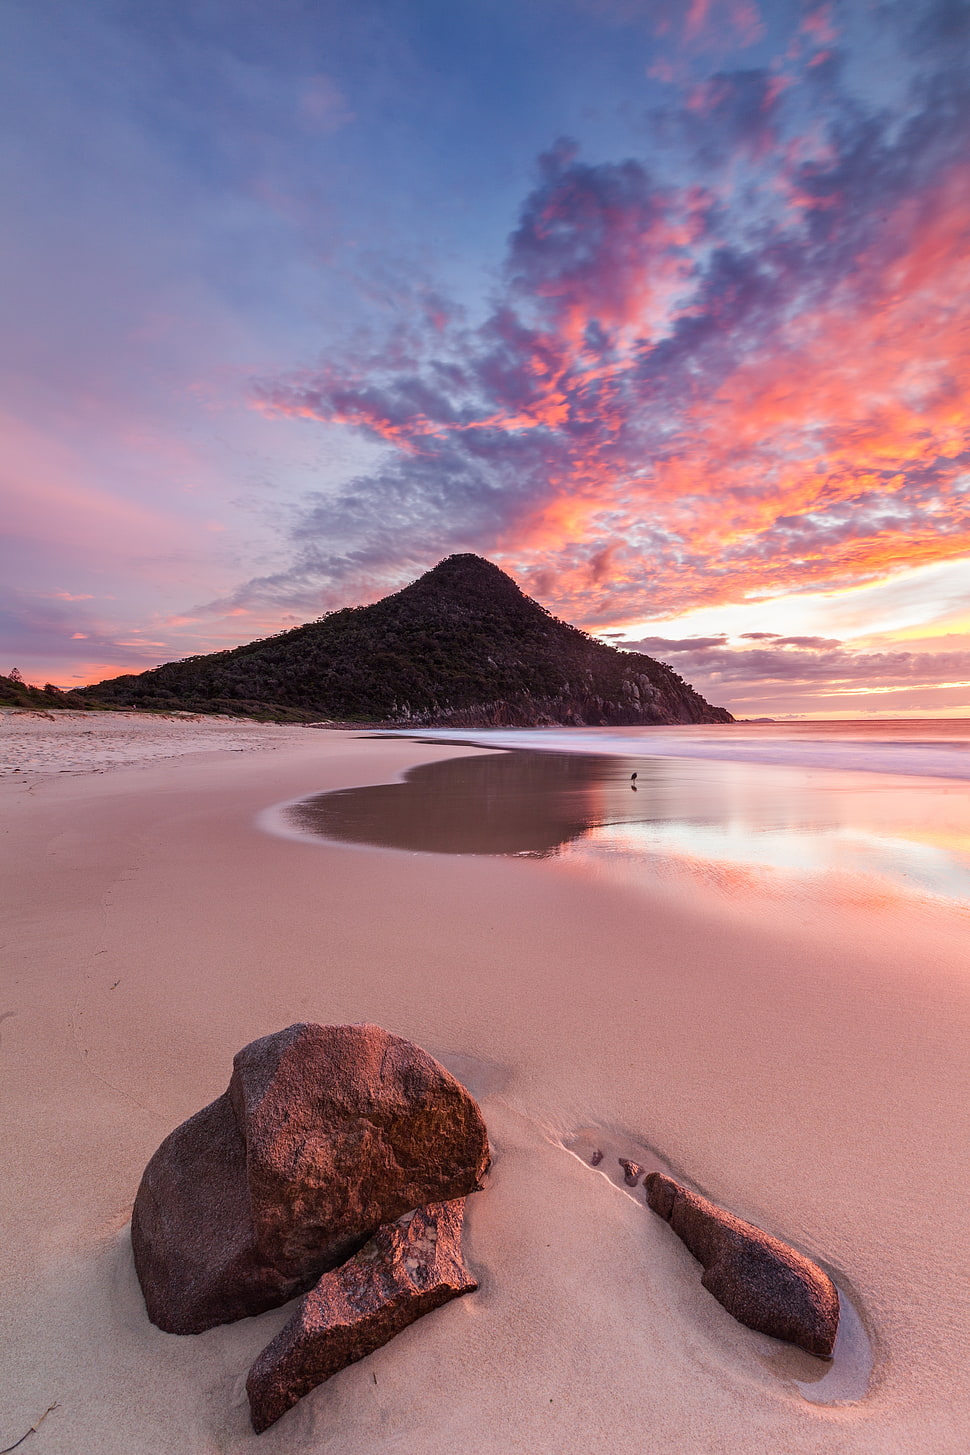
(809, 1071)
(92, 742)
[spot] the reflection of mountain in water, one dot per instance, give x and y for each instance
(523, 802)
(907, 832)
(502, 803)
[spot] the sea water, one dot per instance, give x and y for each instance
(862, 807)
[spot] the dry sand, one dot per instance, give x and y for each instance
(92, 742)
(809, 1072)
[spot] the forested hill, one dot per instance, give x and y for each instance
(16, 693)
(460, 646)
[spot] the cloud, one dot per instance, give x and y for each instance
(701, 24)
(322, 104)
(689, 392)
(37, 629)
(728, 115)
(801, 669)
(809, 643)
(668, 646)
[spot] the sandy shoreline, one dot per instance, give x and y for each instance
(811, 1076)
(92, 742)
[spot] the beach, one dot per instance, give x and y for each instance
(802, 1063)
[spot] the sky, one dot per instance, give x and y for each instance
(661, 305)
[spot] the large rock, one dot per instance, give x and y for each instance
(760, 1280)
(407, 1269)
(325, 1133)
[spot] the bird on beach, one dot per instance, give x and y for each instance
(633, 778)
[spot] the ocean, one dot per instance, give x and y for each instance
(850, 809)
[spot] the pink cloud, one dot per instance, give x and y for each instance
(713, 419)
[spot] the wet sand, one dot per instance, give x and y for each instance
(806, 1070)
(794, 830)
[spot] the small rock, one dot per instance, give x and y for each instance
(632, 1171)
(325, 1133)
(596, 1158)
(761, 1281)
(406, 1270)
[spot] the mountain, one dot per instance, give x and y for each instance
(460, 646)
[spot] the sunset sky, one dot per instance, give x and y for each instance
(659, 304)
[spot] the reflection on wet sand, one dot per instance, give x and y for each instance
(500, 803)
(913, 834)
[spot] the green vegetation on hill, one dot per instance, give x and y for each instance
(462, 645)
(15, 692)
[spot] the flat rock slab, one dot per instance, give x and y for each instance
(407, 1269)
(763, 1282)
(325, 1134)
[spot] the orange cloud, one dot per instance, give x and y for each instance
(719, 399)
(854, 400)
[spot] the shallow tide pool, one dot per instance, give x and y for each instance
(751, 819)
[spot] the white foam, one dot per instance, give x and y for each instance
(868, 748)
